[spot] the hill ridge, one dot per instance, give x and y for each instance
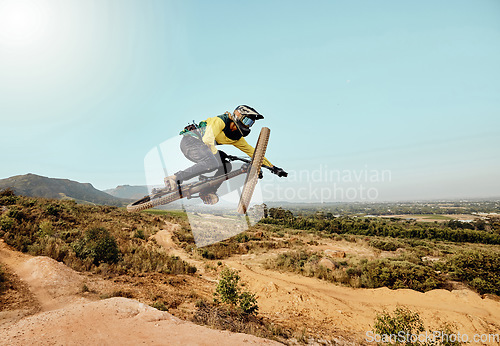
(128, 191)
(34, 185)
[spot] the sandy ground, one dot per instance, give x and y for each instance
(338, 310)
(311, 304)
(67, 318)
(115, 321)
(301, 303)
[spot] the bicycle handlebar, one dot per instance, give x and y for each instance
(236, 158)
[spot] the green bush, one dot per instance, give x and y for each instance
(8, 197)
(206, 254)
(294, 261)
(229, 292)
(8, 192)
(241, 238)
(478, 268)
(53, 209)
(385, 245)
(139, 234)
(220, 250)
(248, 303)
(6, 223)
(403, 322)
(46, 229)
(405, 327)
(16, 214)
(396, 274)
(99, 245)
(152, 258)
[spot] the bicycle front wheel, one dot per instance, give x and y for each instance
(253, 173)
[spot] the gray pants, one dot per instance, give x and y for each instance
(198, 152)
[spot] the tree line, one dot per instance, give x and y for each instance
(474, 232)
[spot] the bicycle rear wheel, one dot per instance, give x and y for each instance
(253, 173)
(147, 202)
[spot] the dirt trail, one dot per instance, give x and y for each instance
(164, 238)
(68, 318)
(301, 302)
(325, 306)
(52, 283)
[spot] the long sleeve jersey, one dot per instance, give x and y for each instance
(216, 131)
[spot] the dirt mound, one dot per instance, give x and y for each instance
(53, 284)
(47, 273)
(68, 318)
(118, 321)
(16, 299)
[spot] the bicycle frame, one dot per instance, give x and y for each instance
(189, 190)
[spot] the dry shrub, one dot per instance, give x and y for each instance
(223, 318)
(150, 257)
(394, 274)
(221, 250)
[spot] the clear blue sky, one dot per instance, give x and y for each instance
(87, 88)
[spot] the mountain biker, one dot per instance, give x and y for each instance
(199, 141)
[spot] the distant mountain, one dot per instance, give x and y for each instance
(37, 186)
(128, 191)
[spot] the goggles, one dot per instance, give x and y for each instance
(246, 121)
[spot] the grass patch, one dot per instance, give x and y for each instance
(159, 306)
(176, 214)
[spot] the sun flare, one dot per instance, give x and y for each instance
(22, 21)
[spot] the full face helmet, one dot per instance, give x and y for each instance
(245, 119)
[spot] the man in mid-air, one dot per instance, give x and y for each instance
(199, 146)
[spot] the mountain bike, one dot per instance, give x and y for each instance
(252, 168)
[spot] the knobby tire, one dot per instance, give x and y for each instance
(147, 203)
(253, 173)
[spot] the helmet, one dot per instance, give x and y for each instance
(246, 118)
